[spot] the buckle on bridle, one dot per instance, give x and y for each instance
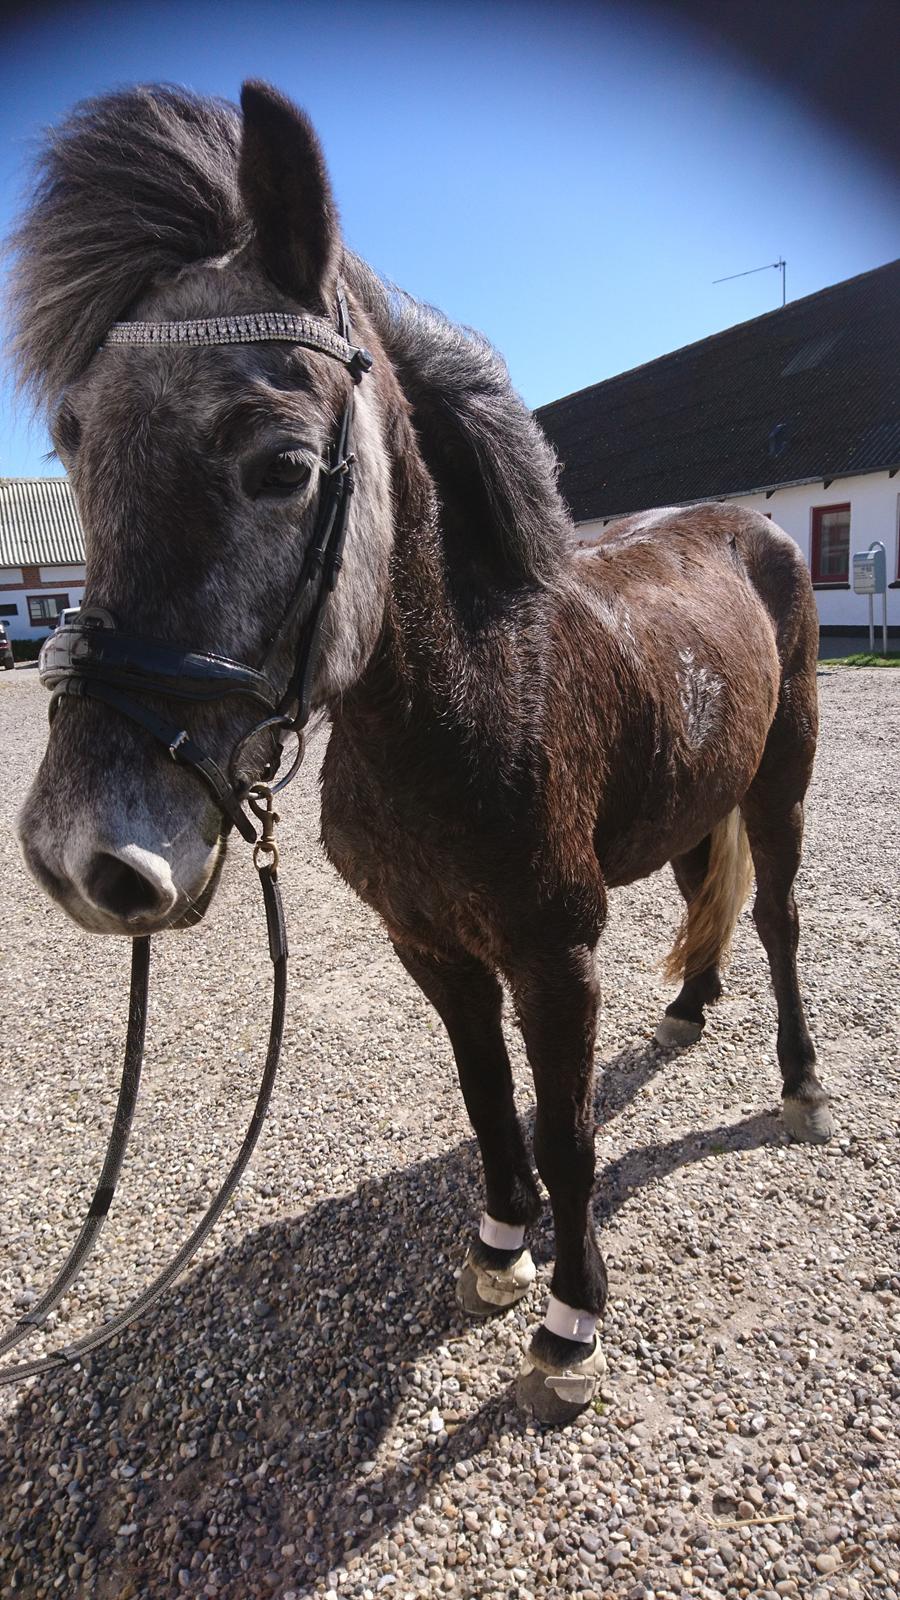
(177, 742)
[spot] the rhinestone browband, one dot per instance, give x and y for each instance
(252, 328)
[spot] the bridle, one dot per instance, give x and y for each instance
(92, 658)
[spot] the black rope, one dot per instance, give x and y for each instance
(134, 1046)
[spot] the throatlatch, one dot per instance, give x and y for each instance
(92, 658)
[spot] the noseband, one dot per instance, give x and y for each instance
(92, 658)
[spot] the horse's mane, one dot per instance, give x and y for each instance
(135, 185)
(130, 187)
(478, 438)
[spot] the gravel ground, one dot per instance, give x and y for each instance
(308, 1414)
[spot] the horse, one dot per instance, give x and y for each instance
(516, 726)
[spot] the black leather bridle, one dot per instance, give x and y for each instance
(92, 658)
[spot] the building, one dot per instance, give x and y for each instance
(41, 554)
(796, 414)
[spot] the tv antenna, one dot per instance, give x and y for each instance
(778, 266)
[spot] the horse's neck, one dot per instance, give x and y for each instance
(447, 675)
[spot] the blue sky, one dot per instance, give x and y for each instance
(568, 178)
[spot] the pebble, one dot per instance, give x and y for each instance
(307, 1415)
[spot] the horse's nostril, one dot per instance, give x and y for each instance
(115, 886)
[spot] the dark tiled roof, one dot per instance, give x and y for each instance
(39, 524)
(809, 391)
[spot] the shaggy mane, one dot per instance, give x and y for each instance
(129, 188)
(134, 185)
(477, 436)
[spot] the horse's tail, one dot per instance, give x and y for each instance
(704, 938)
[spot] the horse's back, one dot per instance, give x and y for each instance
(711, 610)
(708, 569)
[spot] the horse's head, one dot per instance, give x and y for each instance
(199, 473)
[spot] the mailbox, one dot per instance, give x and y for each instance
(870, 571)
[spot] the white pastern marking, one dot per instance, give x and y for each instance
(569, 1323)
(500, 1235)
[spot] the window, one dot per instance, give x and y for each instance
(45, 608)
(830, 545)
(9, 611)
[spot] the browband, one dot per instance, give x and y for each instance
(255, 327)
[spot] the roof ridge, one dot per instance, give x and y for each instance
(766, 401)
(694, 344)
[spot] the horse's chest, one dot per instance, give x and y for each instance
(425, 887)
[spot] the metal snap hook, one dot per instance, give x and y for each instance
(260, 799)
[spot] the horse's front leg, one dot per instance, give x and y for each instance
(557, 1004)
(498, 1269)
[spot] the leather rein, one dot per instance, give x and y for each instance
(93, 659)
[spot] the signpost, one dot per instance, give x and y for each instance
(870, 577)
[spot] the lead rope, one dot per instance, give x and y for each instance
(265, 859)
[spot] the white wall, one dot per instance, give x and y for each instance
(874, 500)
(52, 576)
(54, 580)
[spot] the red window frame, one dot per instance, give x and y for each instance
(41, 604)
(815, 547)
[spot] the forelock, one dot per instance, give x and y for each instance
(128, 189)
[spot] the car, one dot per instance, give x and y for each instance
(68, 615)
(7, 659)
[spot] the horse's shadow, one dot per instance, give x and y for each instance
(274, 1380)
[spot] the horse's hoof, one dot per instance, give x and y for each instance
(485, 1291)
(677, 1032)
(807, 1121)
(557, 1395)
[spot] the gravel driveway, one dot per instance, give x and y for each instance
(308, 1413)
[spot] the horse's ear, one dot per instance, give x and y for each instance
(284, 185)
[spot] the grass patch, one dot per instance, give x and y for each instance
(862, 659)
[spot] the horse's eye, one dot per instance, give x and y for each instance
(285, 472)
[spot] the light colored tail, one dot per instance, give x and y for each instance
(704, 938)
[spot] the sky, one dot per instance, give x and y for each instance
(568, 178)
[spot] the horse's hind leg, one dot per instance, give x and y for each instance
(714, 879)
(773, 813)
(684, 1018)
(498, 1270)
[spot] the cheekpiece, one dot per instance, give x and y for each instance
(256, 327)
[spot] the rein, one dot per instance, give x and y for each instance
(92, 658)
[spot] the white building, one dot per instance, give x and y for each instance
(796, 414)
(41, 554)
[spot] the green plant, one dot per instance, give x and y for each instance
(864, 659)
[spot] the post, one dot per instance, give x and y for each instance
(870, 578)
